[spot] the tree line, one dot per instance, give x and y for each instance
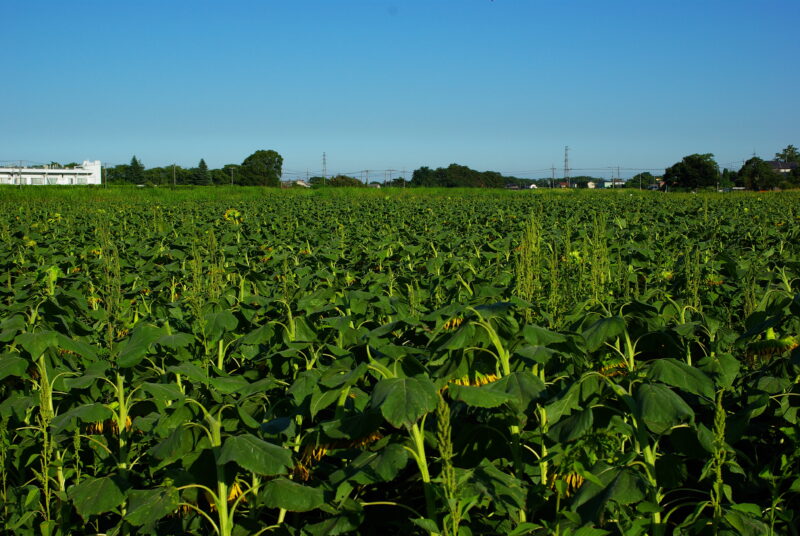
(264, 168)
(701, 171)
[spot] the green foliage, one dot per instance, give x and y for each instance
(262, 168)
(230, 360)
(758, 175)
(694, 171)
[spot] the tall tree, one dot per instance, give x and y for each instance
(790, 154)
(694, 171)
(201, 174)
(262, 168)
(135, 173)
(759, 175)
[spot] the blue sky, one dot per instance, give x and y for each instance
(501, 85)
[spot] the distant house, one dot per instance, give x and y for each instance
(295, 184)
(591, 185)
(87, 173)
(782, 167)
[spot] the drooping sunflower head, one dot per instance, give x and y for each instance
(233, 216)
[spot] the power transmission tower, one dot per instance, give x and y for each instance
(553, 176)
(324, 167)
(390, 176)
(566, 165)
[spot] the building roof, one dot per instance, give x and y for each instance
(777, 165)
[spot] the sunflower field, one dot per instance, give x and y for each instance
(439, 362)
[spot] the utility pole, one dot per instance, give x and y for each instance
(566, 166)
(552, 176)
(231, 176)
(174, 183)
(324, 167)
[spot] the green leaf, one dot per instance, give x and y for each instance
(175, 340)
(255, 455)
(291, 496)
(661, 408)
(426, 524)
(79, 347)
(620, 485)
(746, 525)
(685, 377)
(539, 336)
(564, 405)
(322, 399)
(522, 386)
(460, 339)
(228, 384)
(216, 324)
(163, 392)
(572, 427)
(177, 444)
(404, 400)
(133, 349)
(95, 496)
(505, 490)
(149, 505)
(479, 397)
(603, 330)
(12, 366)
(37, 343)
(94, 412)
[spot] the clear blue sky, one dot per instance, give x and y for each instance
(501, 85)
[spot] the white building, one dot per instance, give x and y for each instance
(86, 173)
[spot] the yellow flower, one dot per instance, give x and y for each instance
(232, 215)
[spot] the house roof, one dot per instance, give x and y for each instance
(777, 164)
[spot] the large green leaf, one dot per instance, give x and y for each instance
(572, 427)
(522, 386)
(404, 400)
(216, 324)
(149, 505)
(603, 330)
(479, 397)
(564, 404)
(255, 455)
(685, 377)
(11, 365)
(621, 485)
(175, 340)
(94, 412)
(163, 392)
(539, 336)
(95, 496)
(134, 348)
(322, 399)
(291, 496)
(661, 408)
(36, 343)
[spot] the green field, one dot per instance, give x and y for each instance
(256, 361)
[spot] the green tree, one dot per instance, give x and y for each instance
(135, 173)
(262, 168)
(344, 180)
(201, 175)
(694, 171)
(790, 154)
(759, 175)
(641, 180)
